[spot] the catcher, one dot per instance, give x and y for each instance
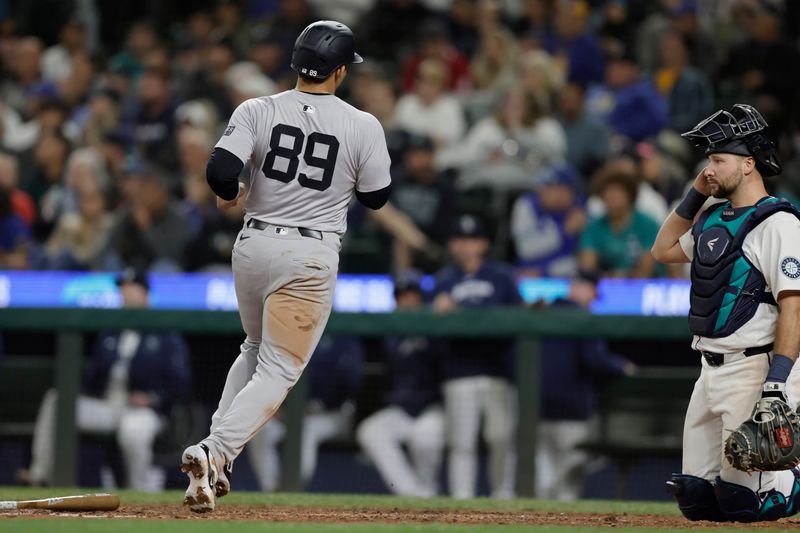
(740, 440)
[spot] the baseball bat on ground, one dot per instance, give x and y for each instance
(84, 502)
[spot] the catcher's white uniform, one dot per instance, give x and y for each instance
(724, 395)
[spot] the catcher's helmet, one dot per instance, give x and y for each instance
(742, 131)
(322, 47)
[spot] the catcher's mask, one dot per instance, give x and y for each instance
(740, 131)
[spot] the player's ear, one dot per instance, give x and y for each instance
(748, 165)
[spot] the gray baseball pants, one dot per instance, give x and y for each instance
(284, 286)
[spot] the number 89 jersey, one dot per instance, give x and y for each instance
(308, 154)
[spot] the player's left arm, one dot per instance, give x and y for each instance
(787, 334)
(780, 264)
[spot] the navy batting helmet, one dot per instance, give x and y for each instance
(323, 47)
(741, 131)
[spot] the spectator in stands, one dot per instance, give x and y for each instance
(69, 91)
(573, 44)
(618, 243)
(425, 195)
(57, 60)
(462, 26)
(141, 40)
(636, 110)
(209, 81)
(210, 250)
(113, 150)
(335, 379)
(154, 124)
(477, 373)
(21, 203)
(504, 151)
(429, 110)
(374, 93)
(587, 138)
(571, 371)
(492, 71)
(80, 239)
(49, 160)
(661, 172)
(132, 381)
(540, 75)
(153, 231)
(15, 236)
(756, 70)
(269, 52)
(617, 25)
(434, 43)
(687, 89)
(23, 60)
(632, 163)
(194, 145)
(244, 80)
(547, 223)
(390, 28)
(97, 118)
(535, 23)
(413, 417)
(84, 169)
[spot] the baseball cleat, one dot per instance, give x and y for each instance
(199, 466)
(223, 485)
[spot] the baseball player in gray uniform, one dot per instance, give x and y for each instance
(745, 311)
(309, 153)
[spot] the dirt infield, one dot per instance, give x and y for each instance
(407, 516)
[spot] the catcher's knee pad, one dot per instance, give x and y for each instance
(741, 504)
(696, 498)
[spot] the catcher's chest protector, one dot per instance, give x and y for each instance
(726, 287)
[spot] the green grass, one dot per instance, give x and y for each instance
(349, 501)
(131, 526)
(339, 501)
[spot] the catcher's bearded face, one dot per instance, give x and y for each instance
(725, 173)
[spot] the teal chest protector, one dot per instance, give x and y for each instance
(726, 288)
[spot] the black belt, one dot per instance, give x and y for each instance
(305, 232)
(717, 359)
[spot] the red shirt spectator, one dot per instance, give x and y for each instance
(21, 203)
(435, 44)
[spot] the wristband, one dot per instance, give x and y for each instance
(691, 204)
(780, 368)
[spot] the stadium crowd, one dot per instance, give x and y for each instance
(555, 121)
(552, 124)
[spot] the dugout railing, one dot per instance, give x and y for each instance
(527, 326)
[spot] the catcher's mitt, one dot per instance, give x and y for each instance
(768, 440)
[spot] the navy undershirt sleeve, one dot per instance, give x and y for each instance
(374, 199)
(222, 173)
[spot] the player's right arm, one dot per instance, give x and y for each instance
(231, 152)
(668, 247)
